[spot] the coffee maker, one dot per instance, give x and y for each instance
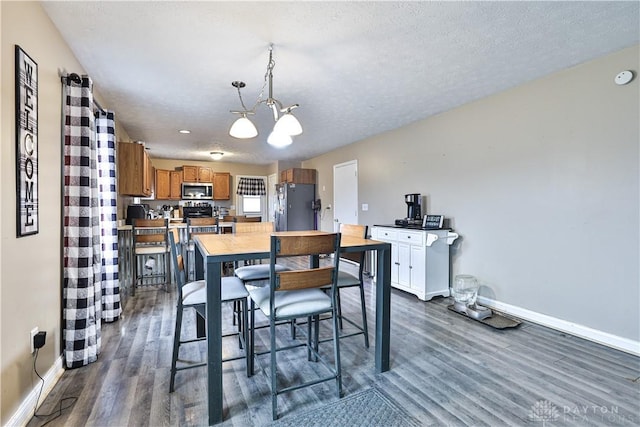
(414, 207)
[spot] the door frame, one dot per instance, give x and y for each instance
(353, 191)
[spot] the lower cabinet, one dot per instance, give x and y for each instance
(419, 259)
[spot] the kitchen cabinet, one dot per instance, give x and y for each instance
(175, 184)
(163, 184)
(221, 186)
(135, 172)
(168, 185)
(419, 259)
(197, 173)
(298, 176)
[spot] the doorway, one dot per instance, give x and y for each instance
(345, 194)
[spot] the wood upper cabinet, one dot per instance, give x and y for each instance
(197, 173)
(298, 176)
(175, 181)
(168, 185)
(163, 184)
(221, 186)
(135, 173)
(190, 173)
(205, 174)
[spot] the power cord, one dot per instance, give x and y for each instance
(61, 408)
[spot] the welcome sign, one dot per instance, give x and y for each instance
(26, 144)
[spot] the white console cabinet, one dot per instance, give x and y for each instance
(419, 259)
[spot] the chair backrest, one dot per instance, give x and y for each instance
(150, 231)
(247, 219)
(202, 225)
(355, 230)
(177, 259)
(253, 227)
(304, 245)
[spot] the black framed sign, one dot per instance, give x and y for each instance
(27, 212)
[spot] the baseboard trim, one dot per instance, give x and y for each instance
(604, 338)
(24, 413)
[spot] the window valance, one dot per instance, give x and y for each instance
(251, 187)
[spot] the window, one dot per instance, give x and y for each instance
(252, 204)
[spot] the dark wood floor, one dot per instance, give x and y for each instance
(446, 370)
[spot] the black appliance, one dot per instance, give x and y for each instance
(295, 207)
(135, 211)
(196, 212)
(414, 206)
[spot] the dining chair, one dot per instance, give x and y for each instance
(151, 253)
(254, 272)
(297, 294)
(349, 280)
(247, 219)
(205, 225)
(194, 295)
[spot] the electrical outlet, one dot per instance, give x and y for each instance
(32, 336)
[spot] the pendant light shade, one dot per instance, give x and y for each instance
(288, 124)
(279, 139)
(243, 128)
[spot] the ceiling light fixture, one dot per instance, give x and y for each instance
(216, 155)
(185, 131)
(286, 125)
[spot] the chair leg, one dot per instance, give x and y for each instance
(309, 340)
(336, 353)
(339, 308)
(365, 327)
(316, 335)
(274, 383)
(134, 275)
(251, 344)
(248, 353)
(176, 347)
(167, 272)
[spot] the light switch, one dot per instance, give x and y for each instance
(365, 206)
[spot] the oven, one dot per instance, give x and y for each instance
(196, 212)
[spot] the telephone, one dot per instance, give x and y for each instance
(432, 221)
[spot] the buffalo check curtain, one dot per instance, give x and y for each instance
(106, 142)
(90, 252)
(251, 187)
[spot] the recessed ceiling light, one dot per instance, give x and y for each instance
(184, 131)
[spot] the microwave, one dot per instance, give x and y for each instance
(197, 191)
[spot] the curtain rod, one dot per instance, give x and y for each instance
(76, 79)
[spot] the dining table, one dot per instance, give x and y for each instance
(213, 250)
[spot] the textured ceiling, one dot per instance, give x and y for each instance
(356, 68)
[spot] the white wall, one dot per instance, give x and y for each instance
(541, 182)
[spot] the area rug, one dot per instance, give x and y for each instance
(366, 408)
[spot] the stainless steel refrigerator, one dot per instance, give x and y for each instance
(294, 207)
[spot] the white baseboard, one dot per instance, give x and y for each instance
(604, 338)
(24, 413)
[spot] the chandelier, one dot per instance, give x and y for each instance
(286, 125)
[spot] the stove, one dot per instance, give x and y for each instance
(196, 212)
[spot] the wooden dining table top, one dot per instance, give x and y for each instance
(260, 243)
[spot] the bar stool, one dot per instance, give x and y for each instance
(297, 294)
(198, 226)
(255, 272)
(150, 252)
(348, 280)
(193, 295)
